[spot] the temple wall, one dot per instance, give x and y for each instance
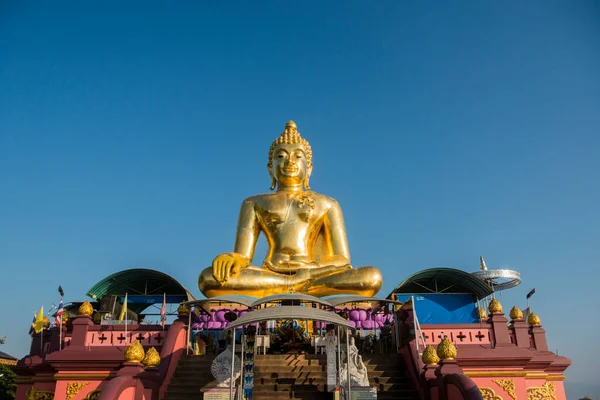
(92, 356)
(505, 359)
(502, 360)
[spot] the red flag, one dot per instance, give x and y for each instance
(59, 313)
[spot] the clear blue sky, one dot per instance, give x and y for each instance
(129, 135)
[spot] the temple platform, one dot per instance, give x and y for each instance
(285, 342)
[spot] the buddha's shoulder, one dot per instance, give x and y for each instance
(256, 198)
(259, 198)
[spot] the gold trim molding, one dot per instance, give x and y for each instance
(536, 375)
(74, 387)
(489, 394)
(500, 373)
(508, 385)
(544, 392)
(34, 394)
(513, 374)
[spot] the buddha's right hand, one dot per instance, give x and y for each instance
(228, 265)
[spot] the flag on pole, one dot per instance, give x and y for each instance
(59, 313)
(530, 293)
(163, 311)
(60, 291)
(38, 325)
(123, 310)
(32, 327)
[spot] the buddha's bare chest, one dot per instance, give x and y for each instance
(278, 212)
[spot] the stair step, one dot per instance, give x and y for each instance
(396, 370)
(291, 376)
(322, 387)
(318, 379)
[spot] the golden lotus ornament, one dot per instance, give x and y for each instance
(86, 309)
(481, 314)
(183, 310)
(152, 358)
(534, 320)
(430, 356)
(446, 349)
(516, 313)
(495, 306)
(134, 352)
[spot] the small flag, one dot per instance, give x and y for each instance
(38, 325)
(60, 291)
(59, 313)
(531, 293)
(123, 310)
(163, 311)
(32, 327)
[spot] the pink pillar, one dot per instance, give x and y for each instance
(132, 369)
(447, 367)
(126, 385)
(54, 339)
(80, 329)
(429, 383)
(500, 328)
(521, 333)
(539, 338)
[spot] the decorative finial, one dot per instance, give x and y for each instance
(86, 309)
(481, 314)
(134, 352)
(152, 358)
(183, 310)
(446, 349)
(534, 320)
(291, 124)
(482, 266)
(495, 306)
(430, 356)
(516, 313)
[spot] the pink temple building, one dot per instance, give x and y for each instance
(441, 334)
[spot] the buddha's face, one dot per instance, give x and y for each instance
(290, 166)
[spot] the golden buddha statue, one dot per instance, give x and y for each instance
(305, 231)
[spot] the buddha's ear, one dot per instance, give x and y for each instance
(273, 180)
(307, 177)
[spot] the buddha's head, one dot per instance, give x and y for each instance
(290, 159)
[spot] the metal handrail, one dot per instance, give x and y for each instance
(418, 332)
